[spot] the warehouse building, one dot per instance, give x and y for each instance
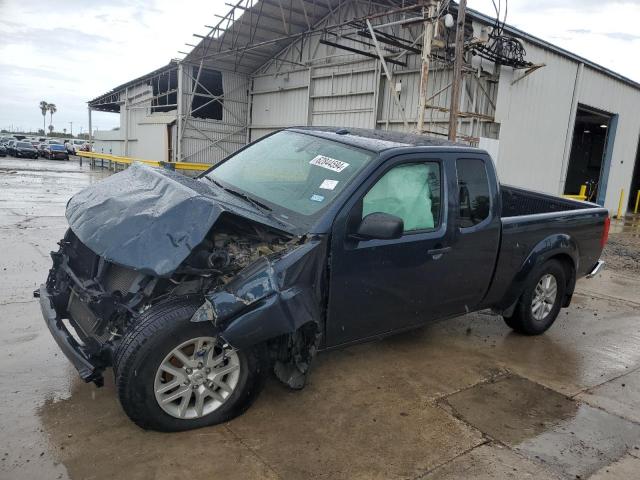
(552, 121)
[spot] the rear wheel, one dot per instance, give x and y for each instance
(540, 303)
(174, 375)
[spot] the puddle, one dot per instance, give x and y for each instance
(570, 438)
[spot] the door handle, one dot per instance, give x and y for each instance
(437, 252)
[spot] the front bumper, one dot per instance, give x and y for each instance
(89, 370)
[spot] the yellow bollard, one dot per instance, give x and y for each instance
(583, 192)
(635, 210)
(620, 204)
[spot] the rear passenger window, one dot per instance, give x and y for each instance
(409, 191)
(473, 191)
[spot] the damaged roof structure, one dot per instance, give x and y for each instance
(269, 64)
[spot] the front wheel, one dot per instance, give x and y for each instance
(175, 375)
(540, 303)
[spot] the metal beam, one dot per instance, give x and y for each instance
(388, 74)
(429, 11)
(360, 52)
(457, 72)
(269, 16)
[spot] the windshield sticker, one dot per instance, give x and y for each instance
(328, 184)
(317, 198)
(329, 163)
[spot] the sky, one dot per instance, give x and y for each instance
(70, 51)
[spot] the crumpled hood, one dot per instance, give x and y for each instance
(146, 218)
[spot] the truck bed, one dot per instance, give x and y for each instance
(518, 201)
(532, 221)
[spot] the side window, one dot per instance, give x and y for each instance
(473, 188)
(410, 191)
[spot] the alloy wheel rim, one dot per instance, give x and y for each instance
(196, 378)
(544, 296)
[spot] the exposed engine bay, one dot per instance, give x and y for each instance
(103, 300)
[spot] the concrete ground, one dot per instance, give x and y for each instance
(466, 398)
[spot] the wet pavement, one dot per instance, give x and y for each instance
(465, 398)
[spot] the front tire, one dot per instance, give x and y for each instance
(540, 303)
(173, 374)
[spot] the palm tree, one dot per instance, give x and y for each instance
(50, 129)
(52, 109)
(44, 108)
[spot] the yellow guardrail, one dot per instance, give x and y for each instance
(153, 163)
(581, 196)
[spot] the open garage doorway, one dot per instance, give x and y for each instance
(590, 155)
(635, 181)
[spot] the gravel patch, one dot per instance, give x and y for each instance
(622, 252)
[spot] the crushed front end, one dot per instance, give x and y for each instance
(89, 303)
(147, 236)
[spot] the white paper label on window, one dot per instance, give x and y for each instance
(329, 163)
(328, 184)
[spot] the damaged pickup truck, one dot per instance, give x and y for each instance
(193, 290)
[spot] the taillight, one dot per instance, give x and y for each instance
(605, 232)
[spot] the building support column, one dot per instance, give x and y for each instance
(429, 11)
(90, 128)
(179, 114)
(126, 122)
(454, 108)
(568, 141)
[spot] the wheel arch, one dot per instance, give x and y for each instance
(560, 247)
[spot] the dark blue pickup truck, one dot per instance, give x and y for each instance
(308, 239)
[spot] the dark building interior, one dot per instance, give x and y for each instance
(587, 151)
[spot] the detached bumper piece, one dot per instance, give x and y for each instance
(596, 268)
(89, 371)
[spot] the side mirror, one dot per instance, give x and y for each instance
(381, 226)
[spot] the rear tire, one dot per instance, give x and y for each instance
(152, 348)
(541, 300)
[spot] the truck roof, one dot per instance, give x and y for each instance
(378, 140)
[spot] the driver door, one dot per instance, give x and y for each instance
(378, 286)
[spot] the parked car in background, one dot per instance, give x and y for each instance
(5, 140)
(56, 152)
(10, 145)
(3, 151)
(25, 150)
(42, 149)
(79, 144)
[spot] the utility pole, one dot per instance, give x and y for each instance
(71, 129)
(429, 10)
(457, 72)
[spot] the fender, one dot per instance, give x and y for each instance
(273, 296)
(551, 246)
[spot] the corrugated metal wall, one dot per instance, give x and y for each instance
(534, 118)
(531, 117)
(600, 91)
(344, 89)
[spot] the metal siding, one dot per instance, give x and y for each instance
(606, 93)
(344, 97)
(534, 114)
(279, 109)
(230, 133)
